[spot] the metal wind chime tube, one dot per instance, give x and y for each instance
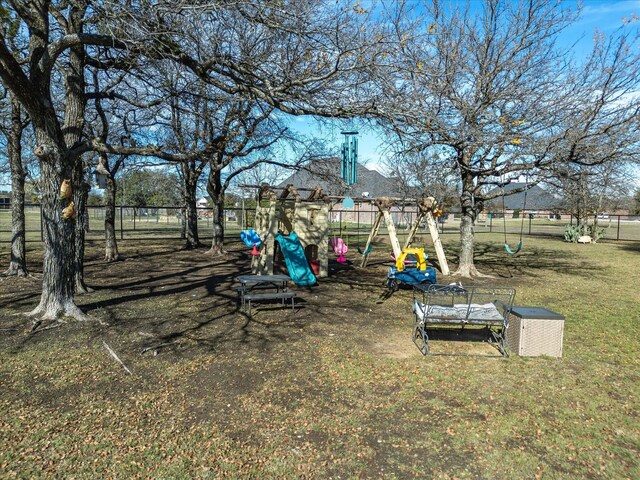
(349, 164)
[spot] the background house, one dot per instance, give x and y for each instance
(5, 200)
(202, 203)
(325, 173)
(539, 201)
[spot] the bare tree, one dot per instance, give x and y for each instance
(312, 57)
(111, 124)
(13, 133)
(498, 98)
(242, 137)
(54, 35)
(588, 190)
(424, 173)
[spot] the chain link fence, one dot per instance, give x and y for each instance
(354, 225)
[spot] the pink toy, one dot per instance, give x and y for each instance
(339, 248)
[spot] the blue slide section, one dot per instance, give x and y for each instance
(297, 264)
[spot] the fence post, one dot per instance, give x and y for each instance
(530, 217)
(491, 223)
(121, 227)
(358, 223)
(134, 218)
(618, 233)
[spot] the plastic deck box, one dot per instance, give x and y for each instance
(535, 331)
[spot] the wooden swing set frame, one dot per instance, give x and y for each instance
(426, 206)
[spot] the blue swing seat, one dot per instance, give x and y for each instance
(513, 252)
(251, 238)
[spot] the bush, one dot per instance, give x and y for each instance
(572, 233)
(596, 232)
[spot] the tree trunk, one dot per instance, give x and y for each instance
(466, 267)
(87, 226)
(111, 245)
(58, 269)
(470, 208)
(183, 223)
(216, 192)
(54, 143)
(18, 262)
(191, 213)
(81, 227)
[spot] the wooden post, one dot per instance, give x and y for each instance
(372, 234)
(414, 230)
(393, 236)
(267, 227)
(437, 244)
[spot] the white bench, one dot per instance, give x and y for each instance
(453, 305)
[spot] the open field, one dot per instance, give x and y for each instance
(336, 390)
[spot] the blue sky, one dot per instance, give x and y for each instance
(602, 15)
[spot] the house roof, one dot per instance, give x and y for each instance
(325, 173)
(537, 198)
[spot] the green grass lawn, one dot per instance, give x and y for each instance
(337, 390)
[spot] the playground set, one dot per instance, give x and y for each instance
(297, 229)
(300, 227)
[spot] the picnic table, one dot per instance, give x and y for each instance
(250, 285)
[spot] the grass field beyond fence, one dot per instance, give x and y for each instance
(335, 390)
(165, 222)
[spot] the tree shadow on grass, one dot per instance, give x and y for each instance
(196, 308)
(633, 247)
(493, 260)
(22, 301)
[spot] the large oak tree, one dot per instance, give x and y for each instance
(491, 95)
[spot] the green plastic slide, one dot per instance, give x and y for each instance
(294, 257)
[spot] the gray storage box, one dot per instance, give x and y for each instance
(535, 331)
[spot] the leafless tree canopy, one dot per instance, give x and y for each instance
(491, 95)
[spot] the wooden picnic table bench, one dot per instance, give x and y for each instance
(254, 297)
(250, 284)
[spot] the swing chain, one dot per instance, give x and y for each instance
(509, 250)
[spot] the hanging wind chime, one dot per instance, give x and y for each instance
(349, 163)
